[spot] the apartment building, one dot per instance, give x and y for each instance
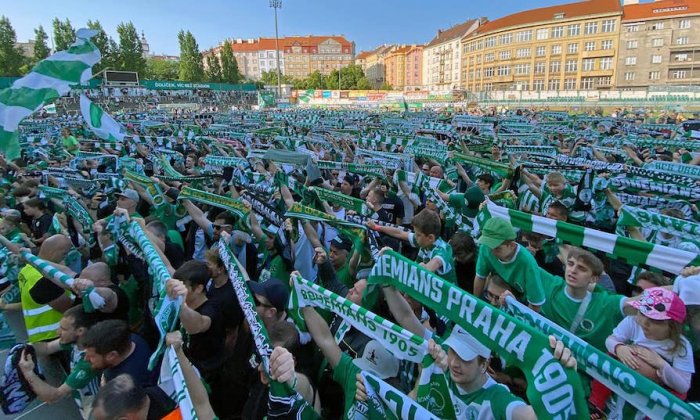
(442, 57)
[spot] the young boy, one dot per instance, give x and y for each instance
(433, 253)
(500, 254)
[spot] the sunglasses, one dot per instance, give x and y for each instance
(259, 303)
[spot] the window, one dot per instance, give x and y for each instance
(538, 84)
(591, 28)
(572, 49)
(506, 39)
(657, 42)
(557, 32)
(608, 25)
(654, 75)
(570, 84)
(681, 57)
(542, 34)
(505, 55)
(684, 24)
(632, 44)
(656, 26)
(522, 69)
(679, 74)
(522, 52)
(574, 29)
(606, 45)
(489, 57)
(631, 61)
(553, 84)
(606, 63)
(523, 36)
(555, 67)
(604, 81)
(503, 70)
(571, 66)
(491, 42)
(556, 49)
(656, 59)
(488, 72)
(629, 76)
(633, 28)
(540, 51)
(589, 46)
(587, 83)
(588, 64)
(488, 86)
(540, 67)
(682, 40)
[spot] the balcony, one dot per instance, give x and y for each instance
(598, 53)
(689, 63)
(685, 47)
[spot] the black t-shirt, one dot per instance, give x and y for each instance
(135, 365)
(206, 349)
(122, 310)
(394, 208)
(161, 403)
(45, 291)
(174, 254)
(41, 225)
(225, 299)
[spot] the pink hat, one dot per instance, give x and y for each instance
(660, 304)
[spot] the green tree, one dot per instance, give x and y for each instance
(229, 65)
(270, 78)
(130, 56)
(11, 58)
(363, 84)
(191, 69)
(161, 69)
(213, 71)
(41, 48)
(315, 81)
(386, 86)
(108, 48)
(63, 34)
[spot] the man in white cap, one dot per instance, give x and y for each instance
(129, 200)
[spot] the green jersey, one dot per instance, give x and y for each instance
(83, 379)
(345, 374)
(521, 273)
(492, 401)
(603, 313)
(568, 198)
(440, 250)
(70, 144)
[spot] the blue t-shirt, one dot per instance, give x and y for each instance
(135, 365)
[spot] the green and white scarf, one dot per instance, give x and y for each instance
(488, 165)
(630, 250)
(394, 404)
(518, 343)
(641, 184)
(633, 216)
(154, 191)
(538, 150)
(657, 203)
(172, 381)
(674, 168)
(232, 205)
(648, 397)
(370, 170)
(345, 201)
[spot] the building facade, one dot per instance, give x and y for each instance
(414, 68)
(565, 47)
(372, 63)
(442, 57)
(395, 67)
(659, 44)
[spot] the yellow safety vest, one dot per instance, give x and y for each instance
(42, 321)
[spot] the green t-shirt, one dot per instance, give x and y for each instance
(441, 250)
(602, 315)
(345, 374)
(492, 401)
(521, 273)
(166, 214)
(71, 144)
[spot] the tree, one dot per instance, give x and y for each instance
(386, 86)
(11, 58)
(191, 69)
(229, 65)
(213, 72)
(270, 78)
(130, 56)
(63, 34)
(41, 49)
(315, 81)
(161, 69)
(108, 48)
(363, 84)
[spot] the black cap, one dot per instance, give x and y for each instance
(273, 290)
(341, 242)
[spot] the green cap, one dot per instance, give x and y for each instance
(496, 231)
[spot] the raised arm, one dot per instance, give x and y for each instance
(322, 336)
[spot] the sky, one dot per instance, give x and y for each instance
(368, 23)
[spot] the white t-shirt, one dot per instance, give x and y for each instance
(629, 331)
(688, 289)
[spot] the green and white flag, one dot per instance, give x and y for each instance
(392, 403)
(172, 382)
(634, 252)
(648, 397)
(100, 122)
(50, 79)
(554, 392)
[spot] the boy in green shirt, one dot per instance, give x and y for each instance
(433, 252)
(500, 254)
(69, 142)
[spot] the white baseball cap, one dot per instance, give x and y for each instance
(378, 360)
(465, 345)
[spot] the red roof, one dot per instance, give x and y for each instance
(545, 14)
(261, 44)
(659, 9)
(456, 31)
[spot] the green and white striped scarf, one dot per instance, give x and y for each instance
(539, 150)
(657, 203)
(172, 381)
(630, 250)
(345, 201)
(232, 205)
(674, 168)
(394, 404)
(501, 169)
(641, 184)
(50, 79)
(154, 191)
(633, 216)
(369, 170)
